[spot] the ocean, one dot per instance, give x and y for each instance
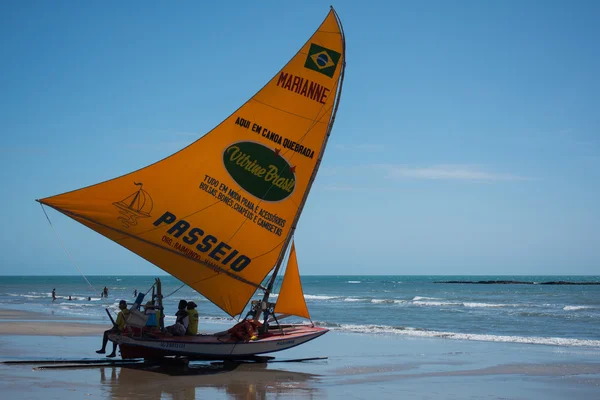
(537, 313)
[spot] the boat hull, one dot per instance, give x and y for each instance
(215, 346)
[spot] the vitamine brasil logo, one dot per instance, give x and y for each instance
(322, 60)
(259, 170)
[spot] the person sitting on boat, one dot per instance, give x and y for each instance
(152, 314)
(181, 321)
(118, 327)
(245, 330)
(192, 313)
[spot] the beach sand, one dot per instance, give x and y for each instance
(359, 367)
(16, 322)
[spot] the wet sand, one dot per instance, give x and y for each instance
(50, 328)
(15, 322)
(359, 366)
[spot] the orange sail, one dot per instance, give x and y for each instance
(218, 213)
(291, 297)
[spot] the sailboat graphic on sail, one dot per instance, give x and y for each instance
(224, 209)
(137, 205)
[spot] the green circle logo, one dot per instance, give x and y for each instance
(259, 170)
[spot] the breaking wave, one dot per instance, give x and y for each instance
(387, 301)
(418, 332)
(489, 305)
(463, 304)
(436, 303)
(575, 308)
(319, 297)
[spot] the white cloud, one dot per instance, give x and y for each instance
(449, 172)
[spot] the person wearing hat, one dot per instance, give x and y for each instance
(151, 312)
(192, 313)
(181, 314)
(118, 327)
(181, 320)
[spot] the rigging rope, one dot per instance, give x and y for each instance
(148, 291)
(71, 258)
(82, 274)
(173, 292)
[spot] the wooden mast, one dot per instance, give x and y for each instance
(159, 298)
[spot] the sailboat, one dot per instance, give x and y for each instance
(220, 214)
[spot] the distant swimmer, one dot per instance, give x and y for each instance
(53, 294)
(70, 298)
(105, 291)
(135, 293)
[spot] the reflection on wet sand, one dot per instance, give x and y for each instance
(238, 381)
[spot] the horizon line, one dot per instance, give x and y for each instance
(167, 275)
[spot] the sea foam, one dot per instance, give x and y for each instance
(416, 332)
(575, 308)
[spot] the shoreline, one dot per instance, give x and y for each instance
(30, 323)
(358, 365)
(28, 328)
(512, 282)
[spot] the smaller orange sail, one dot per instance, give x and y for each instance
(291, 298)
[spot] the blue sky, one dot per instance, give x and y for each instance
(467, 139)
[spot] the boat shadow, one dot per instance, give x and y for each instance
(205, 380)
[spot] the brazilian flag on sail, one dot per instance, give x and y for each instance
(322, 60)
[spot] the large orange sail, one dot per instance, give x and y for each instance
(217, 214)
